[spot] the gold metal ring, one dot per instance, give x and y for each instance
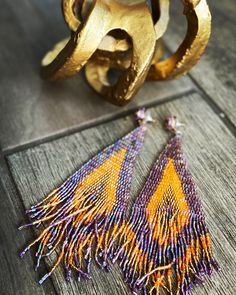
(105, 16)
(189, 52)
(109, 34)
(101, 62)
(70, 10)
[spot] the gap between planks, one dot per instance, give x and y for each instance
(206, 148)
(93, 123)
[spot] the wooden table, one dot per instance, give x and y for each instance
(48, 130)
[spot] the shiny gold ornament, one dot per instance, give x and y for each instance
(125, 35)
(189, 52)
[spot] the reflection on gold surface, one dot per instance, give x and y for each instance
(125, 35)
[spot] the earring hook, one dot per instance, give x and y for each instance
(172, 124)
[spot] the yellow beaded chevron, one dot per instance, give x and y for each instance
(165, 243)
(88, 209)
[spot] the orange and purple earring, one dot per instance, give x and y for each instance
(89, 208)
(165, 244)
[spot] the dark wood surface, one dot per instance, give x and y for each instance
(215, 74)
(34, 109)
(48, 130)
(56, 160)
(16, 277)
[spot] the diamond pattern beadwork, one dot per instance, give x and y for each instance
(166, 244)
(83, 217)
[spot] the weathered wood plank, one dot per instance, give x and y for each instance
(32, 109)
(15, 277)
(210, 150)
(215, 72)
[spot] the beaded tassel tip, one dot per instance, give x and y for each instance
(82, 218)
(166, 244)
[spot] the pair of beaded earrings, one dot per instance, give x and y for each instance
(163, 244)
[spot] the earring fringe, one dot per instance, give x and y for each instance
(83, 217)
(166, 244)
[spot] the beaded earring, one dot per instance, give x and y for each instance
(165, 244)
(88, 209)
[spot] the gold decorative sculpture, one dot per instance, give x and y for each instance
(125, 35)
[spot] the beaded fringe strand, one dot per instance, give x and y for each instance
(83, 217)
(166, 244)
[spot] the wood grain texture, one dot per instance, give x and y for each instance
(15, 277)
(210, 149)
(32, 109)
(215, 72)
